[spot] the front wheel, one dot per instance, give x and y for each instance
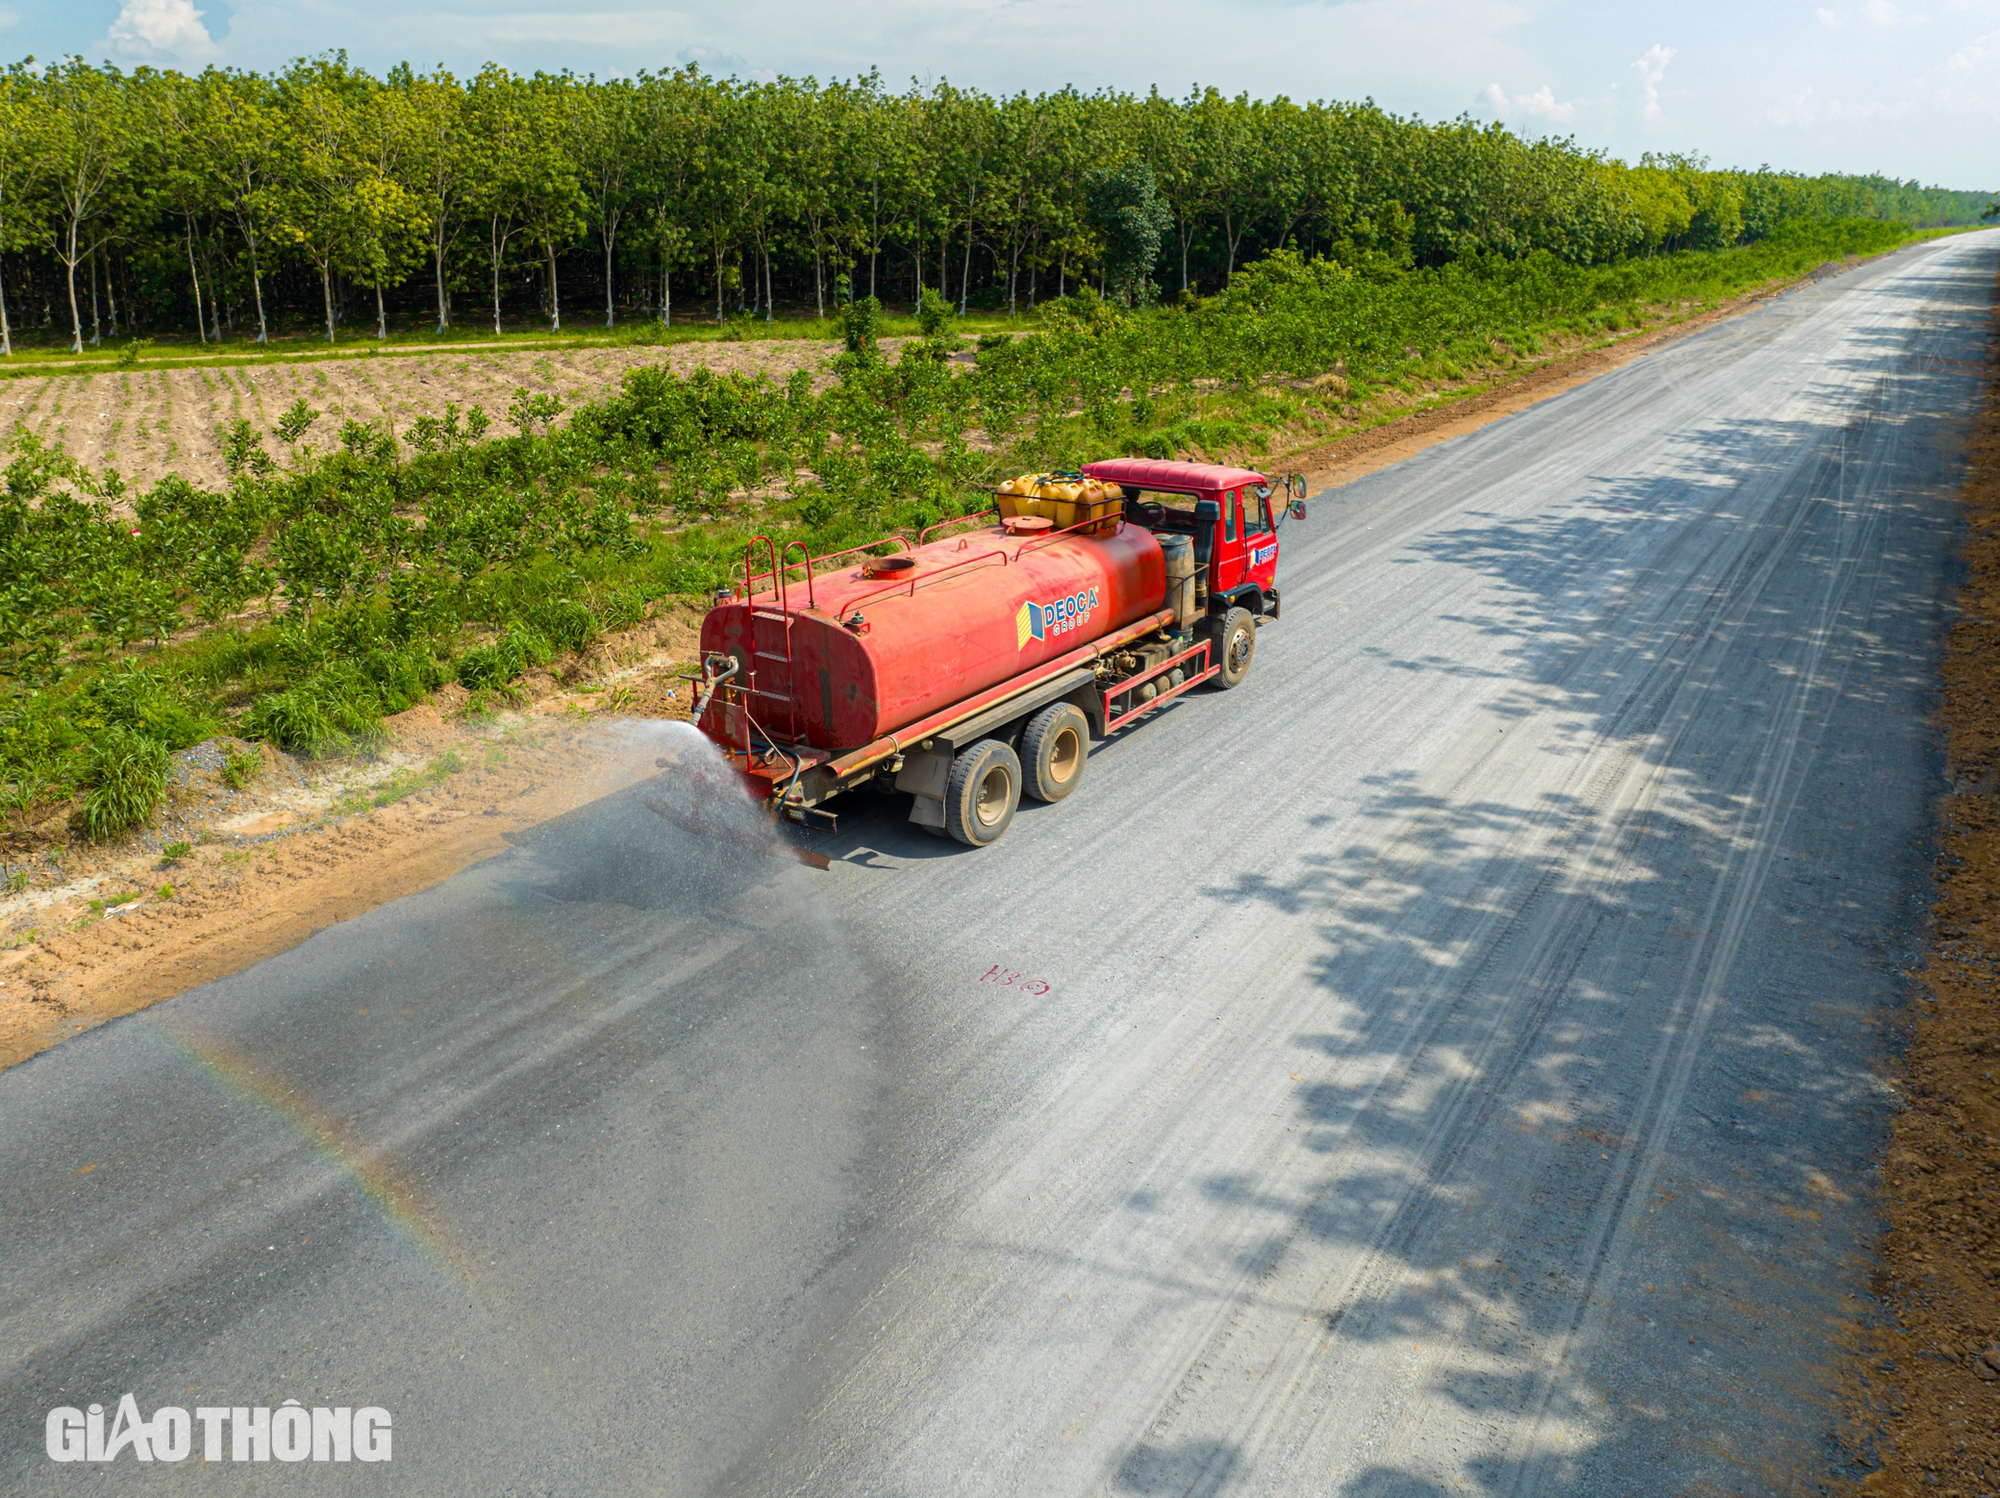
(980, 796)
(1235, 643)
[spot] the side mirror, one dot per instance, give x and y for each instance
(1297, 509)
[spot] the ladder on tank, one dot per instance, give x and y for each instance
(771, 670)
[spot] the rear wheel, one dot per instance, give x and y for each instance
(980, 796)
(1235, 644)
(1054, 749)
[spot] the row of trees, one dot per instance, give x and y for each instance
(193, 203)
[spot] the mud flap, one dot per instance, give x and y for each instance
(924, 775)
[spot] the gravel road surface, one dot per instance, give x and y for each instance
(1447, 1064)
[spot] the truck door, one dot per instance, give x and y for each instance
(1232, 563)
(1260, 540)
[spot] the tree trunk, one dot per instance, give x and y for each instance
(666, 291)
(75, 313)
(718, 285)
(257, 286)
(555, 298)
(326, 291)
(6, 331)
(194, 274)
(96, 330)
(767, 285)
(496, 277)
(111, 295)
(965, 270)
(215, 296)
(381, 316)
(437, 256)
(610, 304)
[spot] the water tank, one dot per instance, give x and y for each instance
(879, 646)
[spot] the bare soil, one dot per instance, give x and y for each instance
(148, 424)
(1924, 1388)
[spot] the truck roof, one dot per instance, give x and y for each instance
(1151, 473)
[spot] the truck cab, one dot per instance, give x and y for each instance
(1232, 514)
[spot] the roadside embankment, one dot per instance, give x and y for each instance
(1925, 1384)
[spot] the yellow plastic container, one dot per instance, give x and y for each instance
(1064, 502)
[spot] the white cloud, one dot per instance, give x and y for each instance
(1881, 12)
(1829, 19)
(161, 30)
(1796, 112)
(1651, 69)
(1542, 101)
(1973, 53)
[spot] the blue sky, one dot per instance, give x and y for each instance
(1906, 87)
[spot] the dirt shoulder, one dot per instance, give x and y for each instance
(1923, 1403)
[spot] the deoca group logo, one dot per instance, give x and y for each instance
(289, 1433)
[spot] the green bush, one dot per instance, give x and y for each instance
(495, 665)
(126, 780)
(151, 704)
(564, 624)
(859, 321)
(622, 610)
(331, 712)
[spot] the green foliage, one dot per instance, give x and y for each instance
(1133, 222)
(533, 411)
(127, 778)
(495, 665)
(149, 703)
(298, 416)
(564, 624)
(240, 767)
(934, 316)
(174, 852)
(859, 323)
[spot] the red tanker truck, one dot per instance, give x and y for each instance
(974, 666)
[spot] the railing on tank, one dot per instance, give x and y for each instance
(807, 564)
(779, 565)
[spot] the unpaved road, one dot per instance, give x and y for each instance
(1448, 1064)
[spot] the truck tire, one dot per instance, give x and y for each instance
(1235, 643)
(980, 796)
(1054, 748)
